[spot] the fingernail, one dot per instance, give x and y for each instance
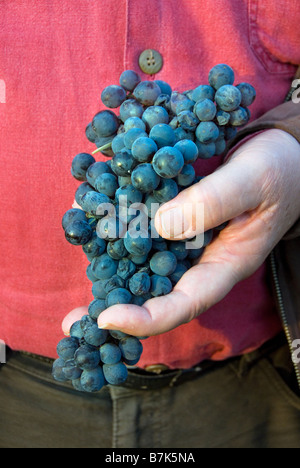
(106, 326)
(174, 223)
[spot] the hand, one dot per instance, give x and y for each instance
(258, 189)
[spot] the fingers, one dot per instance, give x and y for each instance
(227, 193)
(201, 287)
(73, 317)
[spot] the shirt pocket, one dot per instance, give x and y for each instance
(274, 34)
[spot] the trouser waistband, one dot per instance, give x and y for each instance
(142, 380)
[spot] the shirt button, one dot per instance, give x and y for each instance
(150, 61)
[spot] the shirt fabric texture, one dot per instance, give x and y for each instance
(55, 59)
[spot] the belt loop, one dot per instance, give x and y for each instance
(174, 380)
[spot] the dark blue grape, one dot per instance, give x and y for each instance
(95, 170)
(118, 296)
(160, 285)
(94, 336)
(228, 98)
(67, 347)
(179, 250)
(104, 267)
(248, 93)
(92, 202)
(239, 117)
(115, 374)
(90, 274)
(139, 284)
(117, 143)
(92, 380)
(203, 92)
(189, 150)
(154, 115)
(126, 268)
(180, 102)
(78, 232)
(74, 214)
(87, 357)
(76, 330)
(110, 353)
(166, 191)
(144, 178)
(164, 87)
(113, 96)
(147, 92)
(57, 370)
(70, 370)
(80, 165)
(188, 121)
(131, 108)
(132, 135)
(116, 249)
(107, 184)
(90, 133)
(205, 110)
(98, 290)
(129, 79)
(168, 162)
(117, 334)
(223, 117)
(129, 194)
(206, 150)
(134, 122)
(221, 75)
(220, 146)
(131, 347)
(207, 132)
(123, 163)
(82, 190)
(138, 246)
(113, 283)
(95, 247)
(186, 176)
(163, 263)
(181, 269)
(95, 308)
(105, 123)
(163, 135)
(143, 149)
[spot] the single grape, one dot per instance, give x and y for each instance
(144, 178)
(78, 232)
(168, 162)
(113, 96)
(129, 79)
(115, 374)
(74, 214)
(221, 75)
(163, 263)
(80, 165)
(118, 296)
(228, 98)
(105, 123)
(139, 284)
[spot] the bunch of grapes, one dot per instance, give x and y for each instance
(152, 144)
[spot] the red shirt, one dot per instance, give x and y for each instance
(56, 56)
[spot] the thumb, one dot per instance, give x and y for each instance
(227, 193)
